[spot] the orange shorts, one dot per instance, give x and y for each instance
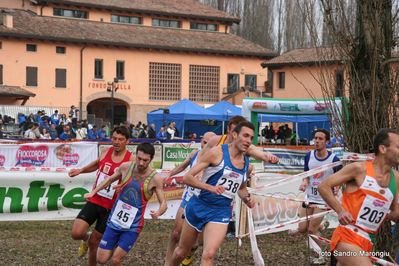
(351, 235)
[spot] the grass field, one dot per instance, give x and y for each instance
(50, 243)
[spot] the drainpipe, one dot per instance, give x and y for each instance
(81, 81)
(41, 10)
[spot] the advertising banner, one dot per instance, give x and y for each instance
(49, 195)
(286, 106)
(270, 211)
(290, 160)
(45, 154)
(176, 153)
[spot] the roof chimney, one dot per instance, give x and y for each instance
(221, 5)
(8, 18)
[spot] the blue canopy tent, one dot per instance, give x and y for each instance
(288, 110)
(304, 123)
(180, 113)
(227, 110)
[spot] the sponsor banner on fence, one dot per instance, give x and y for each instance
(44, 195)
(176, 153)
(156, 163)
(270, 211)
(45, 154)
(290, 160)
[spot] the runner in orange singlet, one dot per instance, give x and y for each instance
(369, 198)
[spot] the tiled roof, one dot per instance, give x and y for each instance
(15, 91)
(304, 56)
(28, 25)
(190, 8)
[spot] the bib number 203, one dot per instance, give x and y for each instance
(233, 186)
(373, 216)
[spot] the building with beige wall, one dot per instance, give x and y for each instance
(66, 52)
(303, 72)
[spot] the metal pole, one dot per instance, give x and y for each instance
(112, 108)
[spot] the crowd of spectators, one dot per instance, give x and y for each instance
(283, 134)
(66, 127)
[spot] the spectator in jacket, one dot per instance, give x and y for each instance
(93, 134)
(73, 114)
(44, 125)
(144, 133)
(170, 132)
(102, 133)
(37, 130)
(337, 140)
(30, 134)
(66, 135)
(53, 132)
(136, 131)
(81, 132)
(60, 129)
(161, 135)
(152, 134)
(45, 134)
(55, 118)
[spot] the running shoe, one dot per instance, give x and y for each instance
(190, 257)
(83, 247)
(326, 224)
(319, 261)
(230, 235)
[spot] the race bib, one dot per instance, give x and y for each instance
(124, 214)
(231, 181)
(314, 193)
(372, 213)
(107, 192)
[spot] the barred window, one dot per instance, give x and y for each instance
(125, 19)
(165, 82)
(204, 83)
(202, 26)
(69, 13)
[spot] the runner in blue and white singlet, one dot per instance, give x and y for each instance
(312, 162)
(216, 206)
(224, 175)
(188, 191)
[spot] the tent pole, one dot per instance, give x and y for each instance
(297, 135)
(222, 127)
(261, 137)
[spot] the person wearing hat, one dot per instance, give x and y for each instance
(55, 118)
(74, 113)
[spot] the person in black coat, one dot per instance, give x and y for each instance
(152, 134)
(144, 133)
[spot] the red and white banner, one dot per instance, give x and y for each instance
(48, 155)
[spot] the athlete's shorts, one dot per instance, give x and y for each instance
(111, 237)
(183, 203)
(352, 235)
(304, 205)
(92, 212)
(198, 213)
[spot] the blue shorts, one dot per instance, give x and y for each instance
(111, 237)
(183, 203)
(198, 214)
